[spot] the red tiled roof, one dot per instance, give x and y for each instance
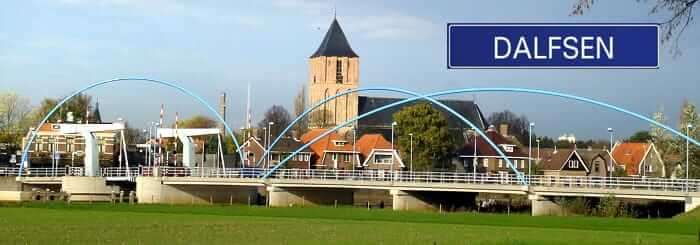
(326, 143)
(630, 155)
(368, 142)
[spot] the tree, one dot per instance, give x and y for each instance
(689, 116)
(432, 142)
(319, 118)
(299, 107)
(14, 118)
(640, 137)
(518, 126)
(197, 121)
(681, 15)
(279, 116)
(78, 106)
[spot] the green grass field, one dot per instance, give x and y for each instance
(163, 224)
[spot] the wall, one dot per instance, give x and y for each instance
(152, 190)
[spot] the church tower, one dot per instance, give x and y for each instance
(333, 68)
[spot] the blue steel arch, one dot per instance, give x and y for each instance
(503, 89)
(183, 90)
(418, 96)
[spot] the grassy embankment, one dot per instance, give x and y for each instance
(158, 224)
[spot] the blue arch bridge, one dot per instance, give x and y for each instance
(279, 186)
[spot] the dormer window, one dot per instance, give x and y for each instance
(507, 148)
(573, 163)
(339, 142)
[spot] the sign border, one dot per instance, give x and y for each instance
(658, 47)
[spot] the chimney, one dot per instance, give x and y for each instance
(503, 129)
(222, 110)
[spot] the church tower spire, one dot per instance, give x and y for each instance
(333, 68)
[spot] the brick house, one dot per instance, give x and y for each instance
(69, 148)
(377, 153)
(486, 159)
(574, 162)
(639, 159)
(284, 147)
(331, 151)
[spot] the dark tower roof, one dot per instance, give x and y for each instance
(334, 43)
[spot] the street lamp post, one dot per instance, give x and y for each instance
(538, 150)
(610, 161)
(354, 143)
(411, 149)
(687, 155)
(393, 125)
(529, 152)
(269, 138)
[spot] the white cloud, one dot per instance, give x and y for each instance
(393, 26)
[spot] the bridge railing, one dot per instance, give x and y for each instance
(42, 172)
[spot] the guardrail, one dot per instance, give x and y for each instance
(646, 183)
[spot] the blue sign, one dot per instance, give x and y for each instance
(552, 45)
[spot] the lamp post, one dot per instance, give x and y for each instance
(411, 149)
(687, 155)
(610, 161)
(393, 125)
(538, 150)
(529, 152)
(354, 142)
(269, 138)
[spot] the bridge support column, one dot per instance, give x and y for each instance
(541, 206)
(691, 203)
(286, 197)
(84, 189)
(403, 200)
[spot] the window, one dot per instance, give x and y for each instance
(596, 168)
(486, 162)
(382, 159)
(346, 157)
(648, 168)
(500, 163)
(334, 156)
(522, 164)
(339, 142)
(573, 163)
(508, 148)
(339, 72)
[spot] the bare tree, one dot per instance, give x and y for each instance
(279, 116)
(671, 29)
(299, 107)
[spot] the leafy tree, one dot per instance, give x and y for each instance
(198, 121)
(14, 118)
(78, 106)
(681, 16)
(319, 118)
(689, 116)
(518, 126)
(279, 116)
(640, 137)
(432, 142)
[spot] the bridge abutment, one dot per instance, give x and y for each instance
(86, 189)
(542, 206)
(403, 200)
(286, 197)
(691, 203)
(152, 190)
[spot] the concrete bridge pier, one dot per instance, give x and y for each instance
(691, 203)
(287, 197)
(153, 190)
(87, 189)
(543, 206)
(403, 200)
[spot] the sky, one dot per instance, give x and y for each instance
(50, 48)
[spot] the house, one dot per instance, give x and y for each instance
(574, 162)
(377, 153)
(284, 147)
(477, 155)
(639, 159)
(68, 148)
(332, 151)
